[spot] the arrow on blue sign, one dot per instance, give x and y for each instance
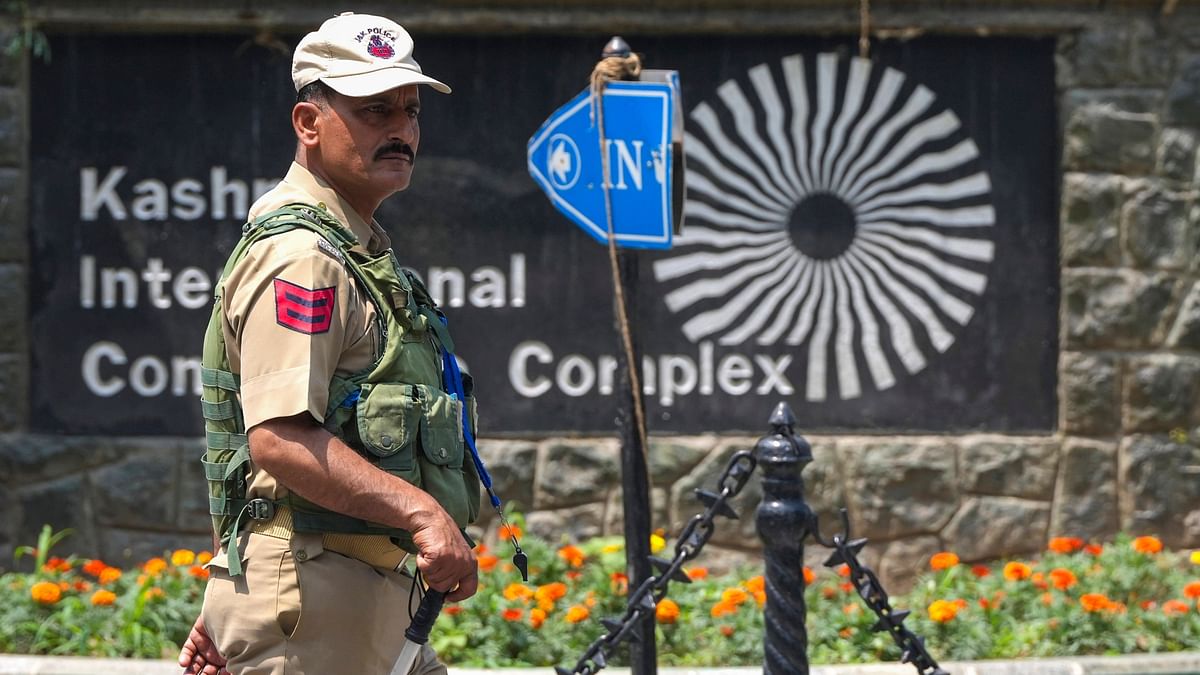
(565, 160)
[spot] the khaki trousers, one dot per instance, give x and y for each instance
(300, 609)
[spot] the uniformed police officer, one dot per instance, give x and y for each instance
(304, 316)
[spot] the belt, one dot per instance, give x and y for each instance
(376, 550)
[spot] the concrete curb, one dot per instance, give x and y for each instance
(1180, 663)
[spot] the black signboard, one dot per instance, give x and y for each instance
(873, 241)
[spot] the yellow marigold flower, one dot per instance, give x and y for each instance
(1195, 558)
(577, 613)
(943, 611)
(518, 592)
(666, 611)
(537, 617)
(657, 543)
(1148, 545)
(203, 557)
(182, 557)
(109, 575)
(734, 596)
(103, 598)
(612, 548)
(1017, 571)
(943, 561)
(154, 565)
(45, 593)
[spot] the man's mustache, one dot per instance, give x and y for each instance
(396, 148)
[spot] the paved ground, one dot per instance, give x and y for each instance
(1140, 664)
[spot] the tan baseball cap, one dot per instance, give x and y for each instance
(359, 55)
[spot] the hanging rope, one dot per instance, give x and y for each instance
(608, 69)
(864, 28)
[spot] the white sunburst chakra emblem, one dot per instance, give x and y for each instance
(851, 216)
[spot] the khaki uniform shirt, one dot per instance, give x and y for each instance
(293, 315)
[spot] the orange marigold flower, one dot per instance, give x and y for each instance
(846, 632)
(507, 531)
(1094, 602)
(452, 609)
(56, 564)
(517, 591)
(734, 596)
(809, 577)
(574, 575)
(480, 549)
(980, 571)
(64, 585)
(844, 571)
(183, 557)
(727, 631)
(1117, 607)
(985, 603)
(512, 614)
(760, 598)
(103, 598)
(943, 611)
(552, 591)
(846, 587)
(1172, 607)
(1065, 544)
(94, 567)
(1148, 605)
(851, 608)
(572, 555)
(203, 557)
(154, 565)
(666, 611)
(698, 573)
(1148, 545)
(943, 561)
(722, 608)
(619, 581)
(577, 613)
(1094, 549)
(590, 600)
(487, 562)
(1192, 590)
(537, 617)
(153, 593)
(82, 586)
(109, 575)
(1062, 578)
(828, 592)
(1039, 581)
(1047, 599)
(755, 584)
(45, 592)
(198, 572)
(1017, 571)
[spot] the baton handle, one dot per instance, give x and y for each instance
(427, 613)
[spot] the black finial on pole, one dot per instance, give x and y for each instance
(617, 46)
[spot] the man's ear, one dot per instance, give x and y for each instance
(306, 117)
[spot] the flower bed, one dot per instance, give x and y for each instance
(1125, 596)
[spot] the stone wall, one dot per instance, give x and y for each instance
(1126, 455)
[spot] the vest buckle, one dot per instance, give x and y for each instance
(261, 509)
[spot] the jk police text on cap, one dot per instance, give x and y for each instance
(359, 55)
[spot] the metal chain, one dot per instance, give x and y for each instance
(873, 594)
(642, 602)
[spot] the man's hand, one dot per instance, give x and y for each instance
(199, 655)
(444, 559)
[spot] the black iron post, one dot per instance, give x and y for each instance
(783, 520)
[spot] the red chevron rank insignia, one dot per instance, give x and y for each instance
(302, 310)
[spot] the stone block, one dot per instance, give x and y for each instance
(13, 303)
(898, 488)
(1159, 482)
(1089, 394)
(13, 211)
(1104, 138)
(29, 458)
(1185, 333)
(1177, 154)
(1156, 230)
(62, 504)
(1182, 103)
(670, 459)
(1162, 392)
(1007, 466)
(12, 126)
(130, 548)
(575, 473)
(1140, 101)
(823, 484)
(1085, 499)
(14, 388)
(512, 466)
(1115, 54)
(1108, 309)
(138, 492)
(991, 527)
(567, 525)
(12, 64)
(739, 533)
(1091, 219)
(904, 560)
(660, 512)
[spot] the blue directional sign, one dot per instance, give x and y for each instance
(565, 160)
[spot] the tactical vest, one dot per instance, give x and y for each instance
(396, 412)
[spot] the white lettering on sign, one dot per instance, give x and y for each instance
(669, 376)
(118, 286)
(153, 199)
(625, 161)
(491, 287)
(147, 376)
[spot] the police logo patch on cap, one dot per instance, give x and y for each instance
(380, 49)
